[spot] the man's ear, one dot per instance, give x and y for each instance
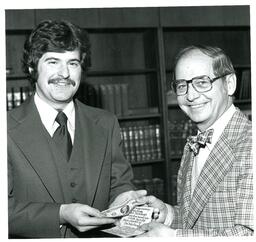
(231, 84)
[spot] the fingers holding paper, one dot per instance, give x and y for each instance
(160, 208)
(82, 217)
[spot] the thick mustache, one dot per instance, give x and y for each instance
(57, 80)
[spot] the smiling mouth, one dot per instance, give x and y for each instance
(62, 82)
(194, 106)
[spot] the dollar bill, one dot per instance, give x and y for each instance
(121, 210)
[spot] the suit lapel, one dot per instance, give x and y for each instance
(212, 174)
(185, 189)
(93, 140)
(30, 136)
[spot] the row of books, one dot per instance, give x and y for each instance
(179, 131)
(245, 85)
(16, 96)
(141, 143)
(154, 186)
(111, 97)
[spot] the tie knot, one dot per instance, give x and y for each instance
(196, 142)
(205, 137)
(61, 119)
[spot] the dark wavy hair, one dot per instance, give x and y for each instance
(221, 62)
(54, 36)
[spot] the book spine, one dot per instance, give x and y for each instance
(158, 142)
(122, 138)
(110, 97)
(171, 128)
(21, 95)
(141, 143)
(147, 143)
(118, 100)
(125, 137)
(137, 144)
(12, 98)
(97, 99)
(9, 100)
(245, 87)
(104, 97)
(131, 144)
(124, 97)
(153, 143)
(178, 133)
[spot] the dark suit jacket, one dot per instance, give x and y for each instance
(222, 202)
(35, 188)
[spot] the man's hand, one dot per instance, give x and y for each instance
(82, 217)
(155, 229)
(126, 196)
(160, 209)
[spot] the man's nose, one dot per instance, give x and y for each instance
(192, 93)
(64, 71)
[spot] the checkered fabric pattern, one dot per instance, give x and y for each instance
(222, 202)
(200, 140)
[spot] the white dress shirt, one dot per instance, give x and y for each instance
(48, 115)
(203, 154)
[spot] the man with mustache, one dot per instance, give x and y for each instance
(65, 162)
(215, 178)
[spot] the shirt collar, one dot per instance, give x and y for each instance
(69, 110)
(48, 113)
(220, 124)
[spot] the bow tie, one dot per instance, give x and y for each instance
(200, 140)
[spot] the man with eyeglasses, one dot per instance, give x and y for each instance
(215, 179)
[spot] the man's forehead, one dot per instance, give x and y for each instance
(192, 64)
(194, 58)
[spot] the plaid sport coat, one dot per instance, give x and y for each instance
(222, 202)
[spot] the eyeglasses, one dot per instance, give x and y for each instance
(200, 83)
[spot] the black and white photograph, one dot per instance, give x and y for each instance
(128, 121)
